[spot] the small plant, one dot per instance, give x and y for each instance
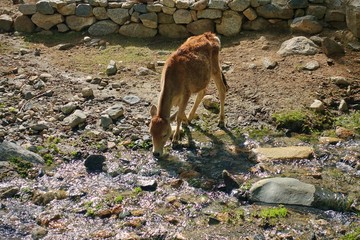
(49, 159)
(118, 199)
(137, 190)
(351, 121)
(21, 166)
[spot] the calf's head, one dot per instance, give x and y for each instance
(160, 131)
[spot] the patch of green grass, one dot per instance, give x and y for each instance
(49, 159)
(355, 235)
(351, 121)
(118, 199)
(21, 166)
(268, 213)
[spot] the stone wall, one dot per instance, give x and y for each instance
(181, 18)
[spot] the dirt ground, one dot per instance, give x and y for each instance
(255, 92)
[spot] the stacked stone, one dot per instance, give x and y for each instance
(181, 18)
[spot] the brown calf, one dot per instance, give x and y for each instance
(188, 70)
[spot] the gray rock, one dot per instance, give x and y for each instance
(105, 121)
(339, 81)
(268, 63)
(283, 153)
(184, 4)
(274, 11)
(137, 30)
(23, 23)
(219, 4)
(111, 68)
(298, 45)
(312, 65)
(239, 5)
(168, 3)
(77, 23)
(209, 13)
(257, 3)
(168, 10)
(118, 15)
(8, 192)
(39, 84)
(294, 192)
(27, 9)
(352, 17)
(102, 28)
(27, 92)
(317, 11)
(10, 151)
(334, 15)
(182, 16)
(154, 7)
(6, 23)
(47, 21)
(317, 105)
(140, 8)
(69, 108)
(39, 126)
(149, 20)
(210, 102)
(62, 27)
(147, 184)
(94, 163)
(201, 26)
(343, 107)
(165, 18)
(75, 118)
(100, 13)
(330, 47)
(307, 24)
(114, 112)
(230, 25)
(294, 4)
(283, 191)
(87, 92)
(131, 99)
(44, 7)
(173, 31)
(84, 10)
(38, 232)
(143, 71)
(256, 25)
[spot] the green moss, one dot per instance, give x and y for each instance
(355, 235)
(21, 166)
(49, 159)
(137, 190)
(351, 121)
(118, 199)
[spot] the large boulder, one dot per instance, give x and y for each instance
(118, 15)
(67, 9)
(230, 25)
(137, 30)
(47, 21)
(239, 5)
(173, 31)
(353, 17)
(44, 7)
(298, 45)
(294, 192)
(102, 28)
(209, 13)
(27, 9)
(182, 16)
(10, 151)
(23, 23)
(149, 20)
(307, 24)
(200, 26)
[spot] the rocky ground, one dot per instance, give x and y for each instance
(94, 176)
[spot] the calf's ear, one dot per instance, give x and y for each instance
(153, 110)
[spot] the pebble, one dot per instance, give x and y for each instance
(312, 65)
(318, 106)
(111, 68)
